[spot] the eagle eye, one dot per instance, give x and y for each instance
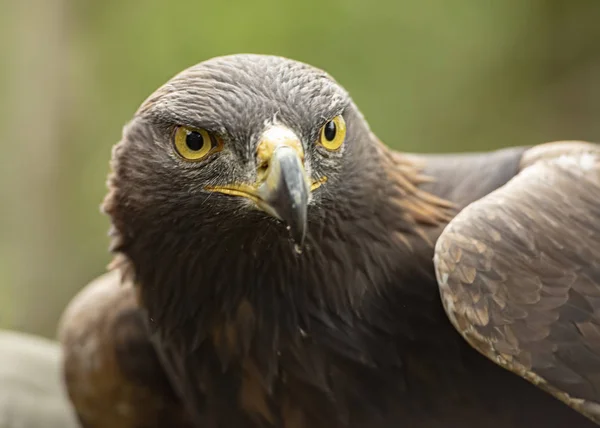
(195, 144)
(333, 133)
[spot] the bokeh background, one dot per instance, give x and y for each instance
(429, 75)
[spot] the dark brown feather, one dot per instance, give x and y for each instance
(112, 373)
(519, 273)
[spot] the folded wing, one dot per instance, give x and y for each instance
(519, 273)
(113, 375)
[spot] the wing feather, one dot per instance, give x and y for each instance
(113, 375)
(519, 273)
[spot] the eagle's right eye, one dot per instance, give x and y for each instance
(195, 144)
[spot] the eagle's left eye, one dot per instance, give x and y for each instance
(333, 133)
(195, 144)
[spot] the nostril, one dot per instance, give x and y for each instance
(261, 170)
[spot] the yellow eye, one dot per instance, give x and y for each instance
(195, 144)
(333, 133)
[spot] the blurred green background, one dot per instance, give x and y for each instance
(430, 75)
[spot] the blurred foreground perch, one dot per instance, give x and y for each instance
(32, 394)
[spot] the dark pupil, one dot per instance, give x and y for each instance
(194, 141)
(330, 130)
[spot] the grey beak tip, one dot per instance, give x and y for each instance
(298, 233)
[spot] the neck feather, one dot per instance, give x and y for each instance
(242, 294)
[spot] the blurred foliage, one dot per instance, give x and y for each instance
(428, 75)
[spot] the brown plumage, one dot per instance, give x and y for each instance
(519, 273)
(111, 371)
(288, 281)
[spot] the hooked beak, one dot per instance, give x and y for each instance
(283, 187)
(285, 191)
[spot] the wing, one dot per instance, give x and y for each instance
(113, 375)
(31, 379)
(519, 273)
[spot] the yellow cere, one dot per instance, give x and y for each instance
(195, 144)
(333, 133)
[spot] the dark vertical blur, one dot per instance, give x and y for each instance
(428, 75)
